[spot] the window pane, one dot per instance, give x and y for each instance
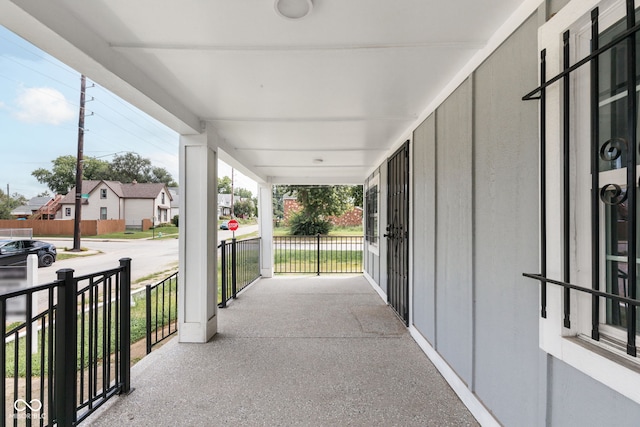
(613, 105)
(616, 261)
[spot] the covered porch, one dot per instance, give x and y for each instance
(293, 351)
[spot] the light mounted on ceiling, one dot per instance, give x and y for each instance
(293, 9)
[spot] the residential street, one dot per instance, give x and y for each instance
(148, 256)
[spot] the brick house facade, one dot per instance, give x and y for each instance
(352, 218)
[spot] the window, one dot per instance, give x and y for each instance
(372, 208)
(163, 198)
(590, 221)
(103, 213)
(613, 129)
(67, 211)
(103, 193)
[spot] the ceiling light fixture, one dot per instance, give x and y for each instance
(293, 9)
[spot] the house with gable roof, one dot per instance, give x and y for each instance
(132, 202)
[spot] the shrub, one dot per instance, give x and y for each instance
(302, 225)
(174, 220)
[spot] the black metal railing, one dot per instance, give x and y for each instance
(612, 148)
(239, 266)
(317, 254)
(61, 364)
(161, 310)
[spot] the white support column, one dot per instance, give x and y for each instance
(266, 229)
(197, 283)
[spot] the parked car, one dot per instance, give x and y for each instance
(224, 225)
(15, 252)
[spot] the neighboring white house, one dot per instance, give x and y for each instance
(224, 203)
(114, 200)
(175, 201)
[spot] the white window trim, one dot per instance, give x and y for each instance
(375, 181)
(553, 337)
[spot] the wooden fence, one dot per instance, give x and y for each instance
(64, 227)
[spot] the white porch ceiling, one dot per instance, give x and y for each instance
(343, 84)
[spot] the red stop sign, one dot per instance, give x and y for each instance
(233, 225)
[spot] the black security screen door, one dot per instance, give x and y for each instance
(397, 233)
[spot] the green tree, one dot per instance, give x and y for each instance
(319, 202)
(224, 185)
(357, 195)
(130, 167)
(243, 192)
(244, 208)
(9, 203)
(125, 168)
(62, 176)
(160, 175)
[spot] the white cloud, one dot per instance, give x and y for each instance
(43, 105)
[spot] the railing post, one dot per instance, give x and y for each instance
(223, 261)
(148, 301)
(125, 324)
(234, 269)
(66, 354)
(318, 248)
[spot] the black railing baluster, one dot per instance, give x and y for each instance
(53, 316)
(318, 248)
(234, 269)
(148, 311)
(43, 372)
(223, 255)
(82, 344)
(16, 374)
(28, 355)
(595, 181)
(66, 338)
(632, 111)
(566, 181)
(125, 322)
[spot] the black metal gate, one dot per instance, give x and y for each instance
(398, 232)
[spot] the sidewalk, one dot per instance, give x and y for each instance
(312, 351)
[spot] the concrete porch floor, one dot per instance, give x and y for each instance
(316, 351)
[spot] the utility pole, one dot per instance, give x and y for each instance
(79, 159)
(232, 214)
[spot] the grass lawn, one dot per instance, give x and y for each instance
(159, 232)
(306, 261)
(335, 231)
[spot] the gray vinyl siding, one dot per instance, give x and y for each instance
(424, 226)
(506, 237)
(578, 400)
(454, 231)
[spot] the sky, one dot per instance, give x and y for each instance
(39, 108)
